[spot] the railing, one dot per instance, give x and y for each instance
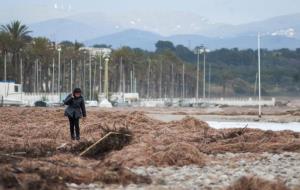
(220, 101)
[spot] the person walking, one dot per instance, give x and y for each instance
(74, 111)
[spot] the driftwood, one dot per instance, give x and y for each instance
(14, 155)
(111, 141)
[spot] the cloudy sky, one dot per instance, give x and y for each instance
(222, 11)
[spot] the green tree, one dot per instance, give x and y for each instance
(162, 46)
(4, 42)
(18, 34)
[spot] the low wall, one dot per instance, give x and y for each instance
(30, 98)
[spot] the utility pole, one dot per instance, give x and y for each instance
(183, 90)
(198, 51)
(121, 76)
(148, 80)
(106, 78)
(197, 85)
(21, 73)
(37, 76)
(209, 79)
(160, 82)
(5, 74)
(204, 73)
(80, 73)
(90, 74)
(100, 73)
(59, 77)
(172, 85)
(84, 87)
(34, 86)
(124, 81)
(259, 83)
(71, 87)
(131, 81)
(53, 72)
(133, 78)
(94, 78)
(135, 84)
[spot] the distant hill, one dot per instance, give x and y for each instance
(183, 28)
(147, 40)
(286, 25)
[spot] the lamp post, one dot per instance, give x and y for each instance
(209, 79)
(259, 84)
(198, 52)
(121, 77)
(71, 75)
(106, 78)
(131, 81)
(37, 76)
(53, 72)
(160, 82)
(204, 50)
(148, 79)
(183, 90)
(84, 79)
(100, 77)
(58, 82)
(21, 75)
(204, 73)
(172, 85)
(90, 73)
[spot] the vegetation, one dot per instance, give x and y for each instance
(233, 71)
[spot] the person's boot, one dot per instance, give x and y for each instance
(73, 137)
(78, 138)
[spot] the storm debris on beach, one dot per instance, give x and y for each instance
(36, 152)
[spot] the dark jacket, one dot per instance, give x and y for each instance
(76, 107)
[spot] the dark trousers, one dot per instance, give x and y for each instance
(74, 123)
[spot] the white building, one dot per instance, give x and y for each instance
(12, 94)
(125, 97)
(10, 88)
(97, 51)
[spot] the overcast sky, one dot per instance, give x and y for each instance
(222, 11)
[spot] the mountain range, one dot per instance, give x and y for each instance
(139, 30)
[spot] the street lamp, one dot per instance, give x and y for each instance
(100, 74)
(106, 77)
(204, 50)
(90, 73)
(58, 83)
(259, 84)
(198, 51)
(183, 89)
(21, 71)
(71, 75)
(148, 78)
(53, 73)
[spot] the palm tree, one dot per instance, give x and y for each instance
(18, 34)
(4, 42)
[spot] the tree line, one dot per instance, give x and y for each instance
(229, 72)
